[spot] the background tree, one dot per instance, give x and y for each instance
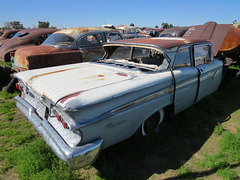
(43, 24)
(131, 24)
(166, 25)
(156, 26)
(16, 25)
(53, 27)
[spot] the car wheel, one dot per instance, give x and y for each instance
(153, 123)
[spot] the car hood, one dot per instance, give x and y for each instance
(82, 81)
(37, 50)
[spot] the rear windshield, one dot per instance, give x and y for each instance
(61, 40)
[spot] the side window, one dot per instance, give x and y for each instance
(112, 37)
(11, 34)
(202, 54)
(182, 58)
(91, 40)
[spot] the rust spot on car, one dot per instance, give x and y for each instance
(52, 72)
(100, 75)
(62, 100)
(121, 74)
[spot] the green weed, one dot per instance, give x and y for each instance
(218, 129)
(230, 146)
(6, 95)
(227, 174)
(37, 161)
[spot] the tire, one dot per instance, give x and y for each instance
(152, 124)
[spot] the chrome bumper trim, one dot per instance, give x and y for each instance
(75, 157)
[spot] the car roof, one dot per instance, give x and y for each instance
(164, 42)
(77, 32)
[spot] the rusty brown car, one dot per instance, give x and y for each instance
(6, 35)
(24, 38)
(66, 46)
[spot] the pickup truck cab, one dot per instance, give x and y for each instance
(80, 109)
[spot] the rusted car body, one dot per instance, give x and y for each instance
(224, 37)
(6, 35)
(82, 108)
(66, 46)
(23, 38)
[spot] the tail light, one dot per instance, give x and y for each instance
(60, 119)
(19, 87)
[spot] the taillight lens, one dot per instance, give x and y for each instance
(19, 87)
(60, 119)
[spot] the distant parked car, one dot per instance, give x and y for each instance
(24, 38)
(149, 32)
(6, 35)
(66, 46)
(82, 108)
(173, 32)
(130, 32)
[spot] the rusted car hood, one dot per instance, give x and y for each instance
(78, 82)
(37, 50)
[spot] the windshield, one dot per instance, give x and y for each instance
(146, 58)
(17, 34)
(62, 40)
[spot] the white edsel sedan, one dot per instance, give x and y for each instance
(80, 109)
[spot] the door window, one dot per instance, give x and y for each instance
(91, 40)
(112, 37)
(202, 54)
(182, 58)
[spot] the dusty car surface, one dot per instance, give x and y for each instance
(81, 109)
(66, 46)
(24, 38)
(6, 35)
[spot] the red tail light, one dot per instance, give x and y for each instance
(59, 118)
(64, 124)
(19, 87)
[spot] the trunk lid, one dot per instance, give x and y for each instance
(59, 82)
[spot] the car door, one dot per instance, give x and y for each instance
(210, 71)
(186, 79)
(90, 46)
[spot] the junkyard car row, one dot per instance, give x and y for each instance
(81, 107)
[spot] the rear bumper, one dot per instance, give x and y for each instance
(75, 157)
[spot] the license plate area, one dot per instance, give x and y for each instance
(41, 110)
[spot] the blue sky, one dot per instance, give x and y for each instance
(94, 13)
